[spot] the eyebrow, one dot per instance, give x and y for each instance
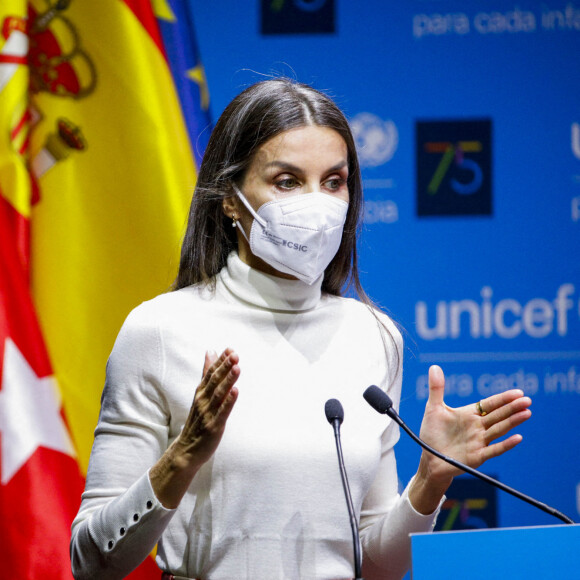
(296, 169)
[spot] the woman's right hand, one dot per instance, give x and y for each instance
(212, 404)
(203, 430)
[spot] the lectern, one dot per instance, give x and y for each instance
(534, 553)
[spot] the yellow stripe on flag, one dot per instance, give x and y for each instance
(117, 175)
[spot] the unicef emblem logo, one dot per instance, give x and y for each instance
(376, 140)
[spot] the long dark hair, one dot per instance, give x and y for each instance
(256, 115)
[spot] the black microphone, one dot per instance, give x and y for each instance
(382, 403)
(335, 415)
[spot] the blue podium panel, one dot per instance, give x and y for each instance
(510, 553)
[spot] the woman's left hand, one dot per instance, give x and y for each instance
(465, 434)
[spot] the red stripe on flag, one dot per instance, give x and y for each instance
(14, 233)
(16, 308)
(144, 13)
(39, 499)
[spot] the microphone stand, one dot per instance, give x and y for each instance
(347, 494)
(335, 415)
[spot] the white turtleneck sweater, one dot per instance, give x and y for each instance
(269, 504)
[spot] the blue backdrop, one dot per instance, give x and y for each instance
(467, 117)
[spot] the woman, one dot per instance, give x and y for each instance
(243, 482)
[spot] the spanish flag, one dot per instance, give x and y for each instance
(103, 112)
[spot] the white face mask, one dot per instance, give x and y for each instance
(298, 235)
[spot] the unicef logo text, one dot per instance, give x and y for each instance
(506, 318)
(376, 140)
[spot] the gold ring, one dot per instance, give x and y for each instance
(479, 409)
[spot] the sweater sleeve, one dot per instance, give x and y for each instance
(120, 520)
(387, 521)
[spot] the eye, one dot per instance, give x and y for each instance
(287, 183)
(335, 183)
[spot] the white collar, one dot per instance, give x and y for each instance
(266, 291)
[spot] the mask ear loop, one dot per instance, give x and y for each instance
(243, 199)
